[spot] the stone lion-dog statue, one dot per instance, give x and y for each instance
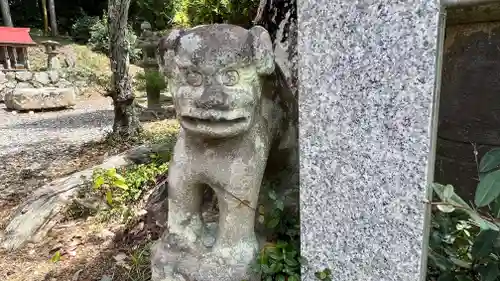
(234, 111)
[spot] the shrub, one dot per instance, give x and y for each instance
(80, 30)
(280, 259)
(150, 80)
(464, 241)
(195, 12)
(99, 38)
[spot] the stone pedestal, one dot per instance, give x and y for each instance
(367, 124)
(53, 61)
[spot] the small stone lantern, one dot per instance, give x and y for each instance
(51, 51)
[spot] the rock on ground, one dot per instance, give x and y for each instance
(39, 98)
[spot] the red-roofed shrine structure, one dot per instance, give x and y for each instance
(14, 43)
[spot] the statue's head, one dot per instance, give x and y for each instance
(214, 74)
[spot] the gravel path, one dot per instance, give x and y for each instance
(37, 140)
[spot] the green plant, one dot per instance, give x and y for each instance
(464, 242)
(99, 38)
(280, 259)
(150, 80)
(191, 13)
(81, 28)
(157, 12)
(126, 185)
(140, 264)
(325, 274)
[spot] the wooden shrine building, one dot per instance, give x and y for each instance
(14, 43)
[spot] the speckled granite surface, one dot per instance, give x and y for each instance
(367, 74)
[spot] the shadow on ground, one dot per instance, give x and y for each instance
(40, 162)
(90, 119)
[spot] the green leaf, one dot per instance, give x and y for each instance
(280, 205)
(274, 268)
(453, 199)
(446, 208)
(443, 263)
(459, 202)
(482, 223)
(483, 244)
(321, 275)
(265, 268)
(111, 172)
(56, 257)
(273, 223)
(121, 185)
(280, 278)
(272, 195)
(463, 278)
(293, 278)
(495, 208)
(119, 178)
(291, 262)
(109, 197)
(303, 261)
(98, 182)
(482, 175)
(275, 254)
(261, 219)
(490, 272)
(488, 189)
(461, 263)
(490, 160)
(446, 277)
(448, 192)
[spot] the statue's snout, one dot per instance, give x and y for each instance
(213, 97)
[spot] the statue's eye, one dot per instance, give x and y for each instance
(230, 77)
(194, 79)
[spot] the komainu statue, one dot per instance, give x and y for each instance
(234, 111)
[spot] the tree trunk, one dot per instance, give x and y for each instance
(45, 18)
(279, 17)
(126, 123)
(53, 18)
(7, 19)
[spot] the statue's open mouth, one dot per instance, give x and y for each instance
(215, 126)
(213, 121)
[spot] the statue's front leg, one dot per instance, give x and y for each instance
(185, 197)
(184, 227)
(237, 205)
(236, 246)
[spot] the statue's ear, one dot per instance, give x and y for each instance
(262, 50)
(166, 50)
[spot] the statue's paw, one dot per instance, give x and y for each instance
(178, 243)
(244, 251)
(216, 267)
